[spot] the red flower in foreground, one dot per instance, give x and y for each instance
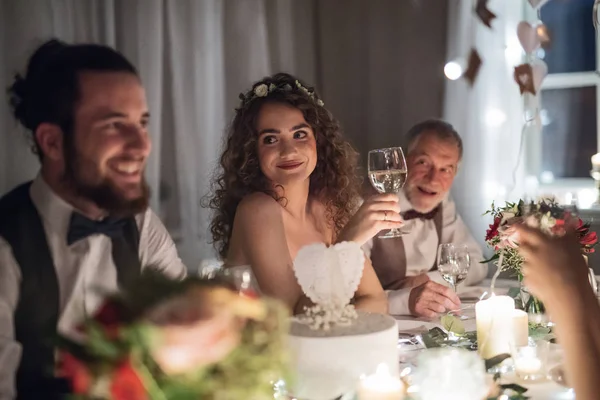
(127, 384)
(110, 316)
(76, 371)
(492, 232)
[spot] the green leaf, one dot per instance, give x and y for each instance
(514, 292)
(513, 386)
(492, 362)
(434, 338)
(453, 324)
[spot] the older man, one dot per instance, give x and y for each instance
(406, 265)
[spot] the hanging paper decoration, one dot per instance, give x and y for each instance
(484, 13)
(524, 77)
(473, 67)
(528, 37)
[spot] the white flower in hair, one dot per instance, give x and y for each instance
(261, 90)
(320, 103)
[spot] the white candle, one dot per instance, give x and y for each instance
(527, 362)
(381, 386)
(596, 161)
(520, 328)
(494, 318)
(528, 366)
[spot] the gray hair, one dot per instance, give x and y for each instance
(441, 129)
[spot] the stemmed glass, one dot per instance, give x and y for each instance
(387, 173)
(454, 262)
(242, 279)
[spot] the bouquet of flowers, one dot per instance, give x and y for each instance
(545, 214)
(192, 339)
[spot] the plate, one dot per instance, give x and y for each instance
(414, 327)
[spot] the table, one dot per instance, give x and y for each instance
(548, 390)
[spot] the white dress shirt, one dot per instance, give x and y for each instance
(421, 245)
(85, 272)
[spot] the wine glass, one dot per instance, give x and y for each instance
(387, 173)
(463, 260)
(454, 262)
(242, 279)
(448, 264)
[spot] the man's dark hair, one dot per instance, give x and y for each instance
(49, 90)
(442, 129)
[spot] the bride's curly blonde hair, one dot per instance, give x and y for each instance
(334, 181)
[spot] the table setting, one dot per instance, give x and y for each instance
(536, 366)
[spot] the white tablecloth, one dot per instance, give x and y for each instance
(548, 390)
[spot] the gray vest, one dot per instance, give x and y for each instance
(388, 257)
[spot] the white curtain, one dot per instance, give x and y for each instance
(377, 65)
(490, 115)
(194, 57)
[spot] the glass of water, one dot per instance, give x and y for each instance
(387, 173)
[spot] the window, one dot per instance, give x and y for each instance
(569, 105)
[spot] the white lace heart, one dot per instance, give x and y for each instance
(330, 275)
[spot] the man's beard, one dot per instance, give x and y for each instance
(104, 194)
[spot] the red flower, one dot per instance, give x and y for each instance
(492, 232)
(76, 371)
(127, 384)
(559, 228)
(590, 239)
(111, 317)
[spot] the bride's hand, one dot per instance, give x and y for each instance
(378, 213)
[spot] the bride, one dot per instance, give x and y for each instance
(288, 180)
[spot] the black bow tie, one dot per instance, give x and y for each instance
(81, 227)
(412, 214)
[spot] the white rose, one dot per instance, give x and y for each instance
(547, 222)
(506, 216)
(261, 90)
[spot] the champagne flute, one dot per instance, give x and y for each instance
(387, 173)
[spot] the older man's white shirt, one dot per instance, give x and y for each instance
(421, 250)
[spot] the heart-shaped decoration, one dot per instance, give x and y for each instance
(539, 71)
(523, 75)
(330, 275)
(528, 37)
(537, 3)
(524, 79)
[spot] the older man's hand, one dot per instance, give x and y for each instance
(430, 299)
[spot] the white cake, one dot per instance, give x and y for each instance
(329, 363)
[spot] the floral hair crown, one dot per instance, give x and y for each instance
(263, 90)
